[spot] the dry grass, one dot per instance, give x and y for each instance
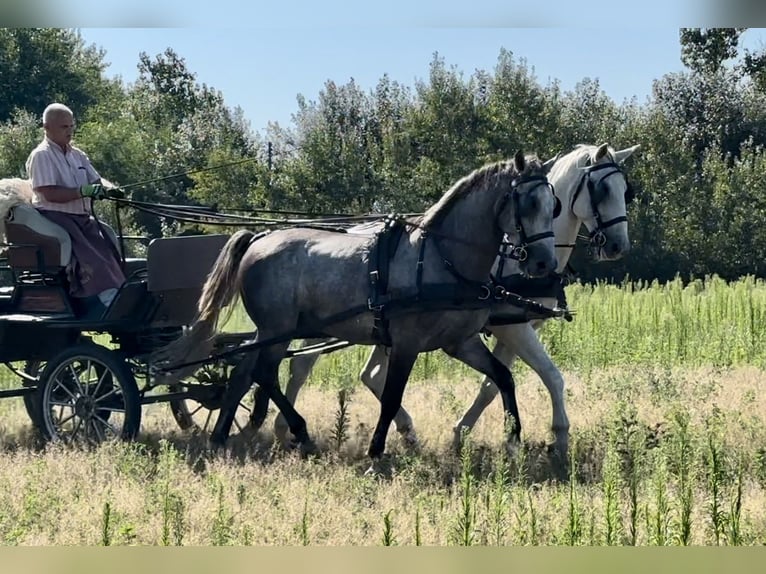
(167, 489)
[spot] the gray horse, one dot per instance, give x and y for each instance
(594, 191)
(300, 283)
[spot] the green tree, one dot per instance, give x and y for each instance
(187, 128)
(516, 112)
(18, 136)
(705, 50)
(43, 65)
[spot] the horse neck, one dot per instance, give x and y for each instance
(565, 229)
(471, 222)
(567, 224)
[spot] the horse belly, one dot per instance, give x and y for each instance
(432, 330)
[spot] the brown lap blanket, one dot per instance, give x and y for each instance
(94, 266)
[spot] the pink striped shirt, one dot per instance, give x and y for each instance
(48, 164)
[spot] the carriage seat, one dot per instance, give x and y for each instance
(33, 236)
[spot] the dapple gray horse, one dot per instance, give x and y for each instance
(303, 282)
(594, 191)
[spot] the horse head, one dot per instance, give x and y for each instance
(600, 199)
(528, 213)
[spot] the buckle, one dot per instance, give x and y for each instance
(520, 253)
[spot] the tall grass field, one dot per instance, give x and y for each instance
(667, 404)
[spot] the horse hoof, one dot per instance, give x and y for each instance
(308, 448)
(215, 444)
(458, 437)
(371, 471)
(559, 460)
(284, 440)
(380, 468)
(304, 446)
(410, 439)
(512, 447)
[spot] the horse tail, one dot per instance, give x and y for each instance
(218, 291)
(222, 284)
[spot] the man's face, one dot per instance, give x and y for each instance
(59, 128)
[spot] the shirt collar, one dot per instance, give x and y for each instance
(63, 150)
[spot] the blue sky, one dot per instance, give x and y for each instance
(263, 69)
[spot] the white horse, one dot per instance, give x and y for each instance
(593, 191)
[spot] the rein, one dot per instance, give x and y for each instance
(208, 216)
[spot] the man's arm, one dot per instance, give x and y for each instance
(58, 194)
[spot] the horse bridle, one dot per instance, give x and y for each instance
(597, 237)
(509, 250)
(517, 252)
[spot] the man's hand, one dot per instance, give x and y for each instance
(115, 193)
(94, 190)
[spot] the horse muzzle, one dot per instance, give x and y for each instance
(538, 262)
(606, 248)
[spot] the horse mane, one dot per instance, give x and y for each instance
(481, 176)
(582, 154)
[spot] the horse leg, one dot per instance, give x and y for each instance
(373, 375)
(400, 363)
(532, 351)
(262, 367)
(260, 408)
(267, 376)
(300, 368)
(475, 354)
(240, 381)
(487, 391)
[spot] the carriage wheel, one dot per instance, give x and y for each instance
(197, 413)
(31, 400)
(88, 395)
(33, 369)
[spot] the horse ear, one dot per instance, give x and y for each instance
(601, 152)
(623, 154)
(549, 164)
(519, 161)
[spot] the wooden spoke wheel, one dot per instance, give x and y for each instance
(205, 390)
(87, 395)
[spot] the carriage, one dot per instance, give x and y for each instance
(86, 378)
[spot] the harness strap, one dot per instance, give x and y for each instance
(383, 249)
(465, 294)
